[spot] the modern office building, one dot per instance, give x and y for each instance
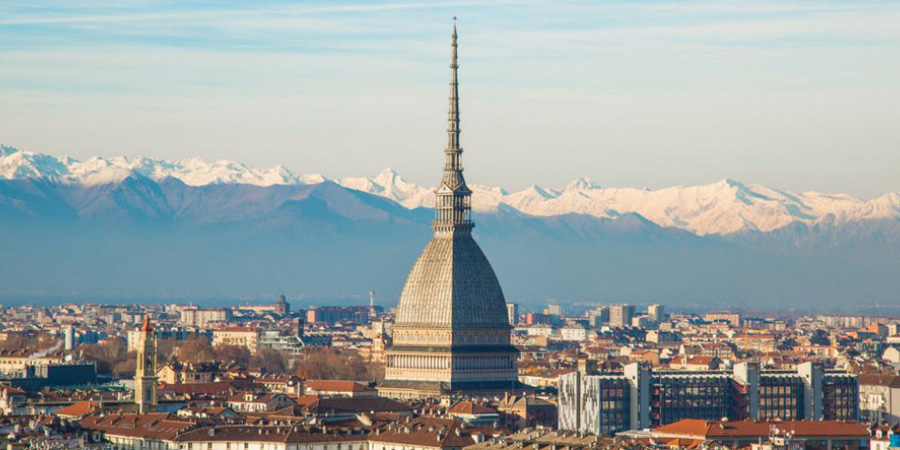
(640, 398)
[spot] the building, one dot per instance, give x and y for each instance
(427, 433)
(474, 413)
(598, 316)
(339, 388)
(283, 342)
(694, 433)
(732, 318)
(15, 361)
(280, 307)
(203, 318)
(620, 315)
(538, 319)
(640, 398)
(527, 411)
(145, 371)
(553, 309)
(452, 331)
(512, 310)
(333, 314)
(11, 399)
(258, 401)
(879, 398)
(133, 337)
(182, 373)
(238, 337)
(574, 332)
(656, 313)
(546, 439)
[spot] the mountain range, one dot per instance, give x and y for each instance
(190, 229)
(722, 208)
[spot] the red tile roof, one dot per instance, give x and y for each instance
(337, 386)
(471, 408)
(694, 428)
(147, 426)
(79, 409)
(879, 380)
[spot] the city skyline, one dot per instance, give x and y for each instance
(800, 96)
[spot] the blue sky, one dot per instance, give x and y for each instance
(798, 95)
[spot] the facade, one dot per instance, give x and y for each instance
(286, 343)
(280, 307)
(639, 398)
(238, 337)
(512, 310)
(202, 318)
(133, 337)
(452, 331)
(145, 371)
(257, 401)
(527, 411)
(538, 319)
(334, 314)
(187, 373)
(620, 315)
(733, 318)
(879, 398)
(656, 313)
(12, 362)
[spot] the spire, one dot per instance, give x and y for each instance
(147, 326)
(453, 113)
(453, 202)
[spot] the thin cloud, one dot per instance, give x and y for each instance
(208, 14)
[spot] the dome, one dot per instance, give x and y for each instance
(452, 284)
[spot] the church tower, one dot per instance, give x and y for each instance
(145, 372)
(452, 334)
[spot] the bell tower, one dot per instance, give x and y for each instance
(145, 371)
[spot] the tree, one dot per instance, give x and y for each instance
(269, 360)
(196, 350)
(107, 355)
(236, 353)
(166, 349)
(336, 364)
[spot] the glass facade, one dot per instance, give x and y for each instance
(780, 397)
(840, 397)
(607, 403)
(688, 396)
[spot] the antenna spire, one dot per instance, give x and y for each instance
(453, 197)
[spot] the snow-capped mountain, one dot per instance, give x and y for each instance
(721, 208)
(16, 164)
